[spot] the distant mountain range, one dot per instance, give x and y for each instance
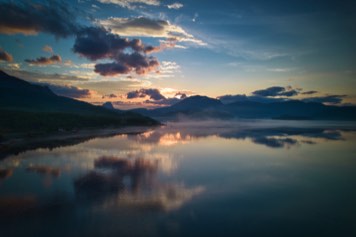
(202, 107)
(30, 108)
(25, 107)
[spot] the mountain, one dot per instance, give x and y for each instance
(192, 107)
(196, 102)
(201, 107)
(108, 105)
(25, 107)
(17, 94)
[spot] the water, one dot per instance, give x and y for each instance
(250, 178)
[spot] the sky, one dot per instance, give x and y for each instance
(151, 53)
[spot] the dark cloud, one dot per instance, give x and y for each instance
(289, 93)
(70, 91)
(269, 96)
(156, 99)
(309, 92)
(93, 43)
(97, 43)
(276, 91)
(153, 94)
(5, 56)
(111, 69)
(138, 62)
(275, 142)
(54, 17)
(44, 60)
(330, 99)
(110, 96)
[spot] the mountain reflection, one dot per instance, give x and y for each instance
(180, 133)
(283, 137)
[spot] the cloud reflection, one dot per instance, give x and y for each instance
(13, 205)
(134, 183)
(5, 173)
(44, 170)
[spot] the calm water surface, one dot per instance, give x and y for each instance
(250, 178)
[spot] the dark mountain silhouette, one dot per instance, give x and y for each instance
(25, 107)
(192, 107)
(201, 107)
(21, 95)
(108, 105)
(196, 102)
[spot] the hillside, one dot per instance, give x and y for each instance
(29, 108)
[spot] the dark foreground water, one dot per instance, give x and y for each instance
(250, 178)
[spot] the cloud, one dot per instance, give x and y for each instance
(131, 4)
(228, 99)
(69, 91)
(280, 94)
(5, 56)
(276, 91)
(268, 95)
(140, 63)
(153, 94)
(180, 95)
(146, 27)
(93, 43)
(97, 43)
(111, 69)
(309, 92)
(44, 60)
(13, 66)
(115, 86)
(156, 98)
(329, 99)
(47, 49)
(110, 96)
(53, 17)
(275, 142)
(271, 91)
(127, 63)
(176, 5)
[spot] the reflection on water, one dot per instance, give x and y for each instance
(247, 178)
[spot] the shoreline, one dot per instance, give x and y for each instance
(21, 143)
